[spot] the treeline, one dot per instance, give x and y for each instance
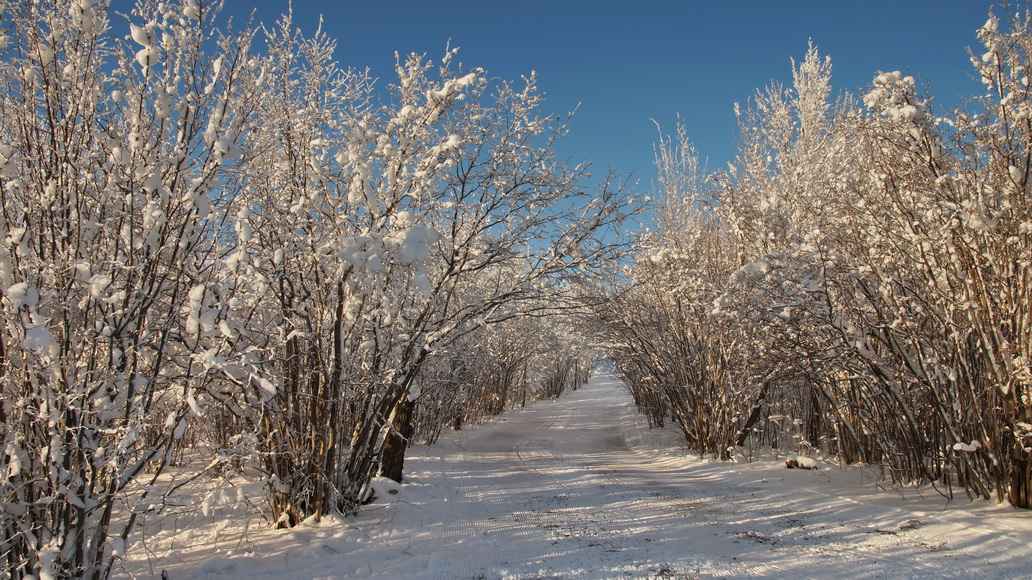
(259, 254)
(856, 284)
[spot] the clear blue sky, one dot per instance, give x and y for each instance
(626, 62)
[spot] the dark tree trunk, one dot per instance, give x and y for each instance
(392, 459)
(754, 417)
(1020, 494)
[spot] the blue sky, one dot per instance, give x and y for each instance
(627, 62)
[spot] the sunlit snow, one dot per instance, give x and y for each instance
(579, 488)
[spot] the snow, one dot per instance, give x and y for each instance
(415, 244)
(384, 490)
(38, 339)
(967, 447)
(22, 295)
(794, 461)
(98, 285)
(413, 239)
(580, 488)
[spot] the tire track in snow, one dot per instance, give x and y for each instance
(784, 527)
(638, 470)
(500, 508)
(621, 523)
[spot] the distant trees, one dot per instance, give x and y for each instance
(856, 281)
(195, 232)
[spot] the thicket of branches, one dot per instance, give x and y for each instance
(262, 253)
(858, 282)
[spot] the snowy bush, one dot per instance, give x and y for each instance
(115, 155)
(192, 232)
(868, 267)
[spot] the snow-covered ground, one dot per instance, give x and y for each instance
(579, 488)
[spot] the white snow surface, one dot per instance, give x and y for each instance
(580, 488)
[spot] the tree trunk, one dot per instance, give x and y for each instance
(1020, 495)
(392, 459)
(754, 416)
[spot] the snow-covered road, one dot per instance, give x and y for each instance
(575, 488)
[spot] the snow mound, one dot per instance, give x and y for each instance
(384, 490)
(794, 461)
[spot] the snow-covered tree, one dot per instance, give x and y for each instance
(374, 231)
(190, 230)
(940, 301)
(874, 263)
(116, 155)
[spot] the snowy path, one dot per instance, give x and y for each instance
(564, 489)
